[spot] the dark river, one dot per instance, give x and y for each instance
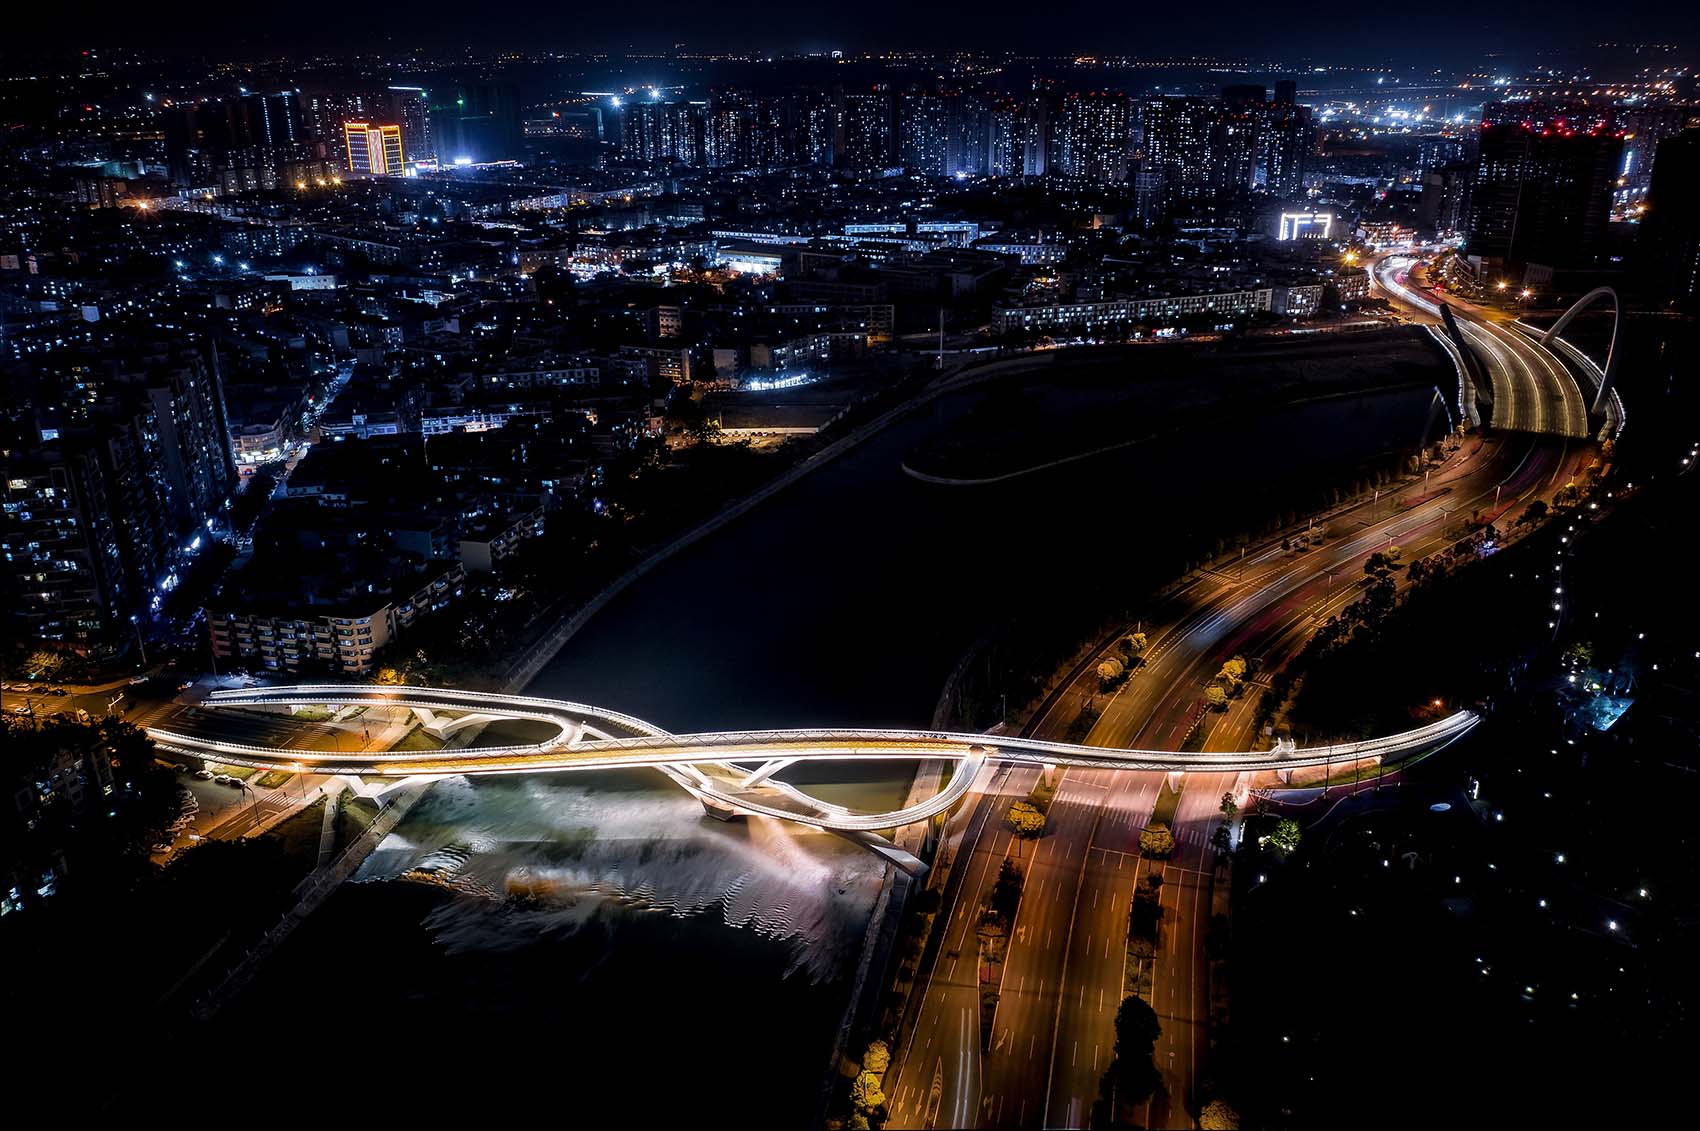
(665, 961)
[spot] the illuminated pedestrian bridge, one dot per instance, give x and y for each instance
(730, 772)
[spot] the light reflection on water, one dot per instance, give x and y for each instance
(542, 855)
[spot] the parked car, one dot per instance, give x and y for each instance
(203, 775)
(162, 847)
(57, 691)
(139, 678)
(222, 779)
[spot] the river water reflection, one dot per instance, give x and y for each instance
(846, 599)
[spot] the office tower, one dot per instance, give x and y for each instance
(1093, 137)
(1542, 187)
(867, 136)
(1286, 92)
(923, 124)
(374, 150)
(1670, 228)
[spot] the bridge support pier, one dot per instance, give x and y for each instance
(717, 809)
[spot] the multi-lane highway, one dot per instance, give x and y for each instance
(1532, 390)
(1064, 972)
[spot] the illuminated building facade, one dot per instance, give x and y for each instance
(374, 150)
(924, 133)
(1094, 138)
(866, 133)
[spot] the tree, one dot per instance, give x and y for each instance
(1133, 1075)
(1133, 645)
(865, 1093)
(877, 1059)
(1026, 819)
(1533, 514)
(1110, 670)
(1137, 1026)
(1219, 1115)
(1006, 892)
(1233, 671)
(1286, 834)
(1215, 698)
(44, 664)
(1157, 840)
(1229, 806)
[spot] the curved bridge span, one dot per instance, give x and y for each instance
(729, 771)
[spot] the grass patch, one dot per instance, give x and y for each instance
(352, 818)
(272, 779)
(241, 773)
(314, 714)
(299, 835)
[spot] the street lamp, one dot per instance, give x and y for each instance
(296, 766)
(136, 624)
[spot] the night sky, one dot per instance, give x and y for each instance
(1414, 33)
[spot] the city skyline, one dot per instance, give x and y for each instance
(906, 568)
(1521, 34)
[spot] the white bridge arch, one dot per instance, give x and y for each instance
(730, 772)
(1607, 396)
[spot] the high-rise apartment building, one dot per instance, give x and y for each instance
(924, 129)
(1541, 193)
(1670, 228)
(866, 135)
(663, 131)
(1093, 137)
(119, 467)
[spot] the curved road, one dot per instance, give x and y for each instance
(1533, 391)
(1063, 974)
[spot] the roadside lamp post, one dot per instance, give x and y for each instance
(136, 624)
(300, 778)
